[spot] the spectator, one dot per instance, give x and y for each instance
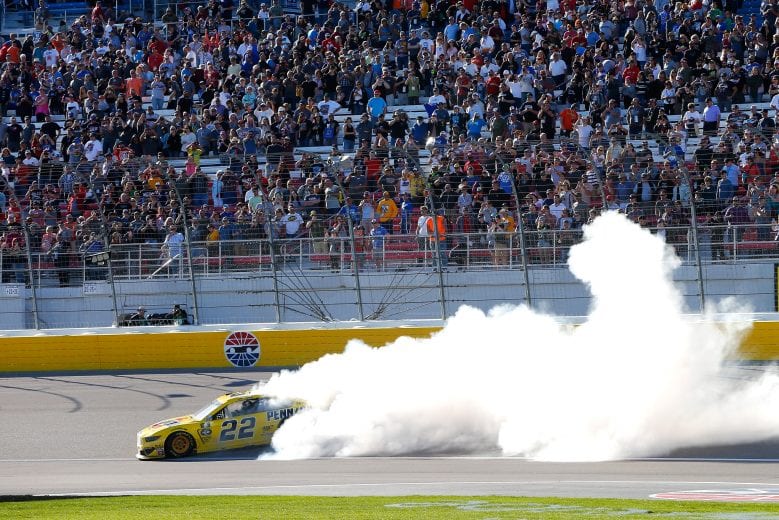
(386, 212)
(436, 230)
(496, 82)
(138, 318)
(378, 233)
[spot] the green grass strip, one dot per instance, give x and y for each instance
(385, 508)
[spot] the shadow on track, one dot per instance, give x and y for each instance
(766, 451)
(76, 403)
(165, 401)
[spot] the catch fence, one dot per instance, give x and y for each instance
(298, 279)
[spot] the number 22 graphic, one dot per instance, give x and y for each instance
(246, 431)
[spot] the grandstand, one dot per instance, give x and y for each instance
(140, 210)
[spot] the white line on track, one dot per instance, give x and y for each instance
(226, 490)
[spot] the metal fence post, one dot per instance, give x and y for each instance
(522, 245)
(272, 243)
(28, 252)
(437, 249)
(696, 241)
(188, 245)
(355, 263)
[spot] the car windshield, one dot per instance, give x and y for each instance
(208, 410)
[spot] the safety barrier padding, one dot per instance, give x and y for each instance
(182, 350)
(138, 350)
(761, 343)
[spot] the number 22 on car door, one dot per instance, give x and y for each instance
(239, 427)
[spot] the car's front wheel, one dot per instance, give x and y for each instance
(179, 444)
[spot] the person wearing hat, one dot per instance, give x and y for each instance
(138, 318)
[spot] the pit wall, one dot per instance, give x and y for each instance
(272, 347)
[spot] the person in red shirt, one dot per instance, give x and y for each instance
(473, 162)
(579, 39)
(569, 35)
(157, 44)
(122, 152)
(97, 13)
(492, 85)
(58, 41)
(751, 172)
(631, 73)
(332, 43)
(14, 53)
(134, 85)
(211, 75)
(463, 86)
(568, 118)
(477, 59)
(154, 60)
(14, 212)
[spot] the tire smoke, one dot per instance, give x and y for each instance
(636, 378)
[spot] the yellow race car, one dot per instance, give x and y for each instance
(231, 421)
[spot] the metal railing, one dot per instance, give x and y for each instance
(466, 251)
(290, 277)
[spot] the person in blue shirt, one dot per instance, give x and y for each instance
(441, 141)
(350, 211)
(725, 189)
(458, 119)
(505, 180)
(471, 30)
(592, 37)
(452, 31)
(376, 106)
(406, 211)
(378, 232)
(143, 37)
(420, 130)
(474, 126)
(732, 171)
(674, 153)
(186, 72)
(624, 188)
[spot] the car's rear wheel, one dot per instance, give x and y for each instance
(179, 444)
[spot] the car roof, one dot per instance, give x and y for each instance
(234, 396)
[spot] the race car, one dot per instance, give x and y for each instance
(231, 421)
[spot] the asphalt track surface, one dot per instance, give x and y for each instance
(75, 434)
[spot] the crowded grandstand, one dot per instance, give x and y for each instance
(384, 134)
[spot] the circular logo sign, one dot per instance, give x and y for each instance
(242, 349)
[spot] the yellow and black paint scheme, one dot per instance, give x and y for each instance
(235, 420)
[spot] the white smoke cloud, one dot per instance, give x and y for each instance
(637, 378)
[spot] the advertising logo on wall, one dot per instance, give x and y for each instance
(242, 349)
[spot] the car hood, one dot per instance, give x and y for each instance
(164, 425)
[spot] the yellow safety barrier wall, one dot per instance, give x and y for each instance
(761, 342)
(165, 350)
(239, 348)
